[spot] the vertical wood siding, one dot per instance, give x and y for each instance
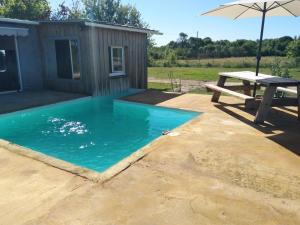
(94, 57)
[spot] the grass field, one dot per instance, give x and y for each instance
(208, 69)
(232, 62)
(159, 86)
(205, 73)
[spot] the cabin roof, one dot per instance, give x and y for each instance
(17, 21)
(89, 23)
(112, 26)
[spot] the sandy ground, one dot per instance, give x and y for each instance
(221, 169)
(186, 85)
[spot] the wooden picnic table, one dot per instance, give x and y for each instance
(271, 84)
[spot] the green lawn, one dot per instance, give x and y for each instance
(205, 73)
(159, 86)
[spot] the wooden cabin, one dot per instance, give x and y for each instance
(72, 56)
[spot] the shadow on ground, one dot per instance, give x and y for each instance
(281, 125)
(151, 97)
(23, 100)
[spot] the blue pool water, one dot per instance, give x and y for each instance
(95, 133)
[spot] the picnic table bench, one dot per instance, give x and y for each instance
(271, 84)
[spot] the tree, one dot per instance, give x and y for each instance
(293, 49)
(65, 12)
(135, 17)
(1, 7)
(195, 48)
(151, 53)
(112, 11)
(182, 39)
(25, 9)
(283, 42)
(207, 41)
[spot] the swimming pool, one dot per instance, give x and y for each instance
(93, 132)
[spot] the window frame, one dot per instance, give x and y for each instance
(72, 61)
(117, 73)
(69, 39)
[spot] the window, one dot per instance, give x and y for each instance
(117, 61)
(67, 59)
(2, 61)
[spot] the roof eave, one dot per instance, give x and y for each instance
(123, 28)
(17, 21)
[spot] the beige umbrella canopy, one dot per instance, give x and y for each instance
(257, 8)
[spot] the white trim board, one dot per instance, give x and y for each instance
(124, 28)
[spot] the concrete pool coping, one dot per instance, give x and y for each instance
(97, 177)
(91, 175)
(222, 169)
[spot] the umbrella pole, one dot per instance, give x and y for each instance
(258, 58)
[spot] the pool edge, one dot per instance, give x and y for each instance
(94, 176)
(97, 177)
(50, 161)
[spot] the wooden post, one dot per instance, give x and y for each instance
(247, 87)
(298, 95)
(264, 12)
(217, 94)
(265, 105)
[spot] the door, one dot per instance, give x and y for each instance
(9, 80)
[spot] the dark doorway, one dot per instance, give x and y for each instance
(63, 59)
(67, 59)
(9, 78)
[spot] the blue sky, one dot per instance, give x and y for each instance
(174, 16)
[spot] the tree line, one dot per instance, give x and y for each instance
(197, 48)
(113, 11)
(110, 11)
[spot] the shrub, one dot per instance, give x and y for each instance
(280, 68)
(227, 65)
(209, 65)
(166, 64)
(293, 49)
(247, 64)
(199, 65)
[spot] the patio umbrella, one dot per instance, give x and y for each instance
(257, 8)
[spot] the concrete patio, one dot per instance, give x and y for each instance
(221, 169)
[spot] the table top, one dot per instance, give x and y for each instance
(263, 79)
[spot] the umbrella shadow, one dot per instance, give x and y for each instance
(281, 125)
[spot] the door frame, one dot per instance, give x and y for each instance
(18, 64)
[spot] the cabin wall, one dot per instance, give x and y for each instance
(94, 59)
(48, 34)
(29, 56)
(135, 60)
